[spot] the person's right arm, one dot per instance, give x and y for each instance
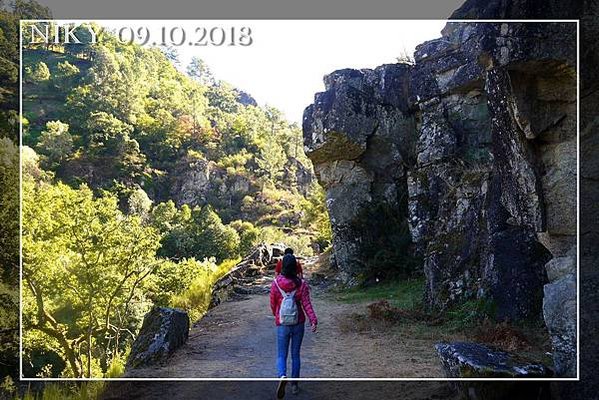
(273, 299)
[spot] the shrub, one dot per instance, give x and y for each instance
(38, 73)
(248, 235)
(196, 298)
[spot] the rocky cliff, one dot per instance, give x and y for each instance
(473, 147)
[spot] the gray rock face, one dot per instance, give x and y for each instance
(198, 182)
(163, 331)
(359, 137)
(484, 192)
(555, 189)
(474, 147)
(297, 175)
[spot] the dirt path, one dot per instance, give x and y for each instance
(237, 340)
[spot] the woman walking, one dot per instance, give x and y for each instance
(290, 303)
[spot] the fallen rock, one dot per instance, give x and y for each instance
(475, 360)
(163, 331)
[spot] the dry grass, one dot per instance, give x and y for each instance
(501, 335)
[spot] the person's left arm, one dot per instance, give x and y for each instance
(307, 306)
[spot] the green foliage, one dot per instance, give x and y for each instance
(123, 118)
(249, 235)
(199, 70)
(55, 143)
(470, 312)
(135, 114)
(9, 255)
(301, 244)
(196, 298)
(139, 204)
(83, 49)
(272, 159)
(174, 278)
(116, 368)
(37, 73)
(65, 75)
(387, 248)
(316, 216)
(9, 210)
(66, 70)
(10, 14)
(223, 98)
(405, 293)
(202, 235)
(165, 217)
(84, 265)
(68, 391)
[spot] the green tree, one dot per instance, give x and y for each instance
(37, 73)
(140, 204)
(65, 74)
(164, 216)
(112, 147)
(272, 159)
(9, 255)
(200, 235)
(84, 264)
(173, 278)
(172, 54)
(223, 97)
(55, 143)
(85, 49)
(249, 236)
(199, 70)
(316, 215)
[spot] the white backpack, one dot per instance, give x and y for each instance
(288, 313)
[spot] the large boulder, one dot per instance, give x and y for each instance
(475, 360)
(359, 135)
(163, 331)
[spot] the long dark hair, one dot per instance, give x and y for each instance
(289, 269)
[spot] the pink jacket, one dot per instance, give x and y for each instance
(302, 296)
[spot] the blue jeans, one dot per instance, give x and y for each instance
(286, 334)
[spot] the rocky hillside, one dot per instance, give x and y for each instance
(473, 147)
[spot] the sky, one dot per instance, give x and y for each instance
(287, 60)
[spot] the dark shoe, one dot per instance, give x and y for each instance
(294, 388)
(281, 387)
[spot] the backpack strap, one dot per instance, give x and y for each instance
(284, 293)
